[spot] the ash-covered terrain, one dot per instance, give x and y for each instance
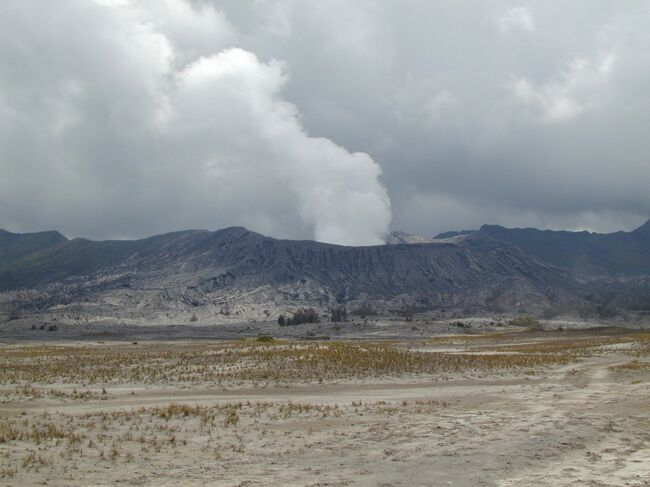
(235, 275)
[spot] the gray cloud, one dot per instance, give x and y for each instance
(132, 118)
(507, 112)
(121, 119)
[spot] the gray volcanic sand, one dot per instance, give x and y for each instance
(34, 329)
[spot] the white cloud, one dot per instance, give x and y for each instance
(569, 92)
(193, 29)
(439, 106)
(276, 15)
(517, 18)
(234, 101)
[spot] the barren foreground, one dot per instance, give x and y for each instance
(507, 409)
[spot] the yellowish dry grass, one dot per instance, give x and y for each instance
(26, 371)
(635, 365)
(242, 361)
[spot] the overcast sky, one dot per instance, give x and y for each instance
(334, 120)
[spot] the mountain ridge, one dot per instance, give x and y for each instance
(487, 270)
(204, 268)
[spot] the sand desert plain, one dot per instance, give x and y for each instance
(504, 405)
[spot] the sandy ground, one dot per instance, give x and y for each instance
(581, 423)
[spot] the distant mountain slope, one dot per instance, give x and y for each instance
(32, 265)
(583, 252)
(15, 246)
(643, 233)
